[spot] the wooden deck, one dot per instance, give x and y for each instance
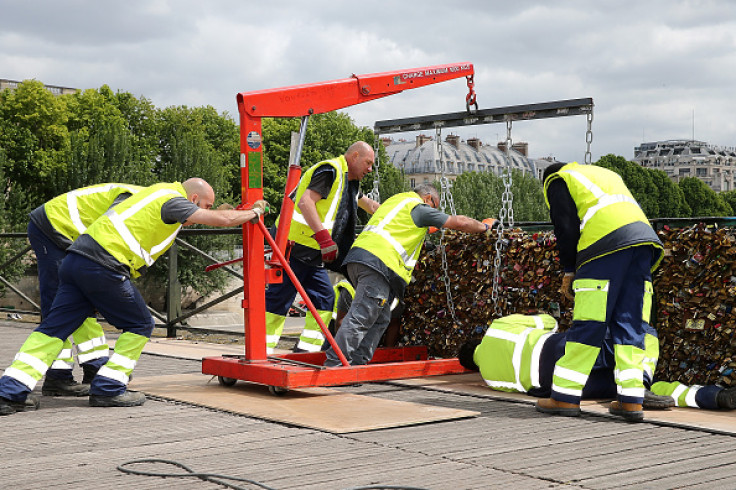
(67, 444)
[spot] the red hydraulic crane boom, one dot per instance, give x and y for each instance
(298, 101)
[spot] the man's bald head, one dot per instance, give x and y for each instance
(199, 192)
(360, 157)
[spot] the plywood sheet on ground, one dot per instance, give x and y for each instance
(188, 349)
(317, 408)
(720, 421)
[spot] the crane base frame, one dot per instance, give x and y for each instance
(304, 370)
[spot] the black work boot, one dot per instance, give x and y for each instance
(726, 398)
(657, 402)
(127, 399)
(6, 406)
(63, 387)
(30, 404)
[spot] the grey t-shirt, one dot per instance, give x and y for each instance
(425, 216)
(175, 210)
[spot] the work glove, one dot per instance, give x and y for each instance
(226, 206)
(326, 245)
(260, 208)
(491, 223)
(566, 286)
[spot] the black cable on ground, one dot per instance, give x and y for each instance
(218, 479)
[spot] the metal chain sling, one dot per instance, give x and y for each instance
(589, 137)
(374, 193)
(445, 201)
(506, 211)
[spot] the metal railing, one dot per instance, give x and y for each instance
(173, 314)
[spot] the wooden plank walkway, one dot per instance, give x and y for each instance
(67, 444)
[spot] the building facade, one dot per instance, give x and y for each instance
(419, 160)
(54, 89)
(713, 165)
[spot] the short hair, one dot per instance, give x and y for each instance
(552, 169)
(427, 189)
(466, 353)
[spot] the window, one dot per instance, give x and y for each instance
(412, 183)
(701, 172)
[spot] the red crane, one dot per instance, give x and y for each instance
(305, 369)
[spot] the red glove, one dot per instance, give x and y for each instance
(326, 245)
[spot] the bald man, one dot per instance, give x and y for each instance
(96, 275)
(322, 229)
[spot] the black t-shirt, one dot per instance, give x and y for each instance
(564, 215)
(322, 180)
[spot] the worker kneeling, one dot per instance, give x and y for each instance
(518, 353)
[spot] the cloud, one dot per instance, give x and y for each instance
(648, 65)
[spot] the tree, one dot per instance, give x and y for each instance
(702, 199)
(102, 146)
(8, 247)
(478, 195)
(730, 198)
(657, 195)
(34, 137)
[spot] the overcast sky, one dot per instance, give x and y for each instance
(655, 69)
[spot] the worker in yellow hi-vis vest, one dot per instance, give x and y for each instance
(608, 251)
(380, 264)
(96, 274)
(518, 353)
(52, 229)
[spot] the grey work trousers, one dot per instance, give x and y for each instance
(367, 318)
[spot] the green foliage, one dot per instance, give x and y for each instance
(478, 195)
(730, 198)
(328, 135)
(8, 246)
(34, 137)
(703, 200)
(657, 195)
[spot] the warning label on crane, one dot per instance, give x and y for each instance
(254, 140)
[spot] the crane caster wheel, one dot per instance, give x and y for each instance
(226, 381)
(277, 390)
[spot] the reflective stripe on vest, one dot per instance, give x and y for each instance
(118, 221)
(519, 341)
(509, 354)
(604, 205)
(328, 220)
(409, 259)
(70, 214)
(327, 208)
(73, 207)
(603, 198)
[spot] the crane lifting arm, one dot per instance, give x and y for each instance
(304, 101)
(318, 98)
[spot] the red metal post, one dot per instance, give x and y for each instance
(251, 177)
